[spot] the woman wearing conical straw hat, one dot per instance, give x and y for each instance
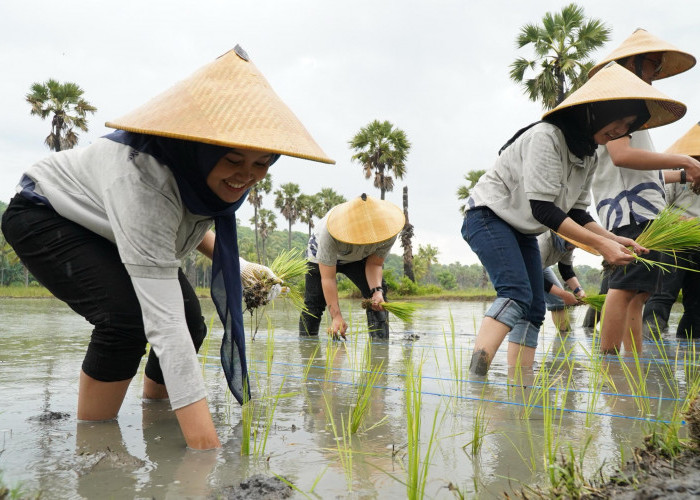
(540, 181)
(658, 308)
(354, 238)
(628, 191)
(105, 227)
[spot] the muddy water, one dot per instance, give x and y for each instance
(308, 385)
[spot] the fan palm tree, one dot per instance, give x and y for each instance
(328, 198)
(287, 202)
(67, 108)
(309, 207)
(427, 256)
(255, 198)
(267, 224)
(381, 149)
(463, 192)
(562, 46)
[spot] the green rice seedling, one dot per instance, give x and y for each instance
(636, 378)
(671, 232)
(310, 363)
(595, 301)
(271, 407)
(668, 233)
(553, 405)
(343, 440)
(402, 310)
(479, 428)
(597, 376)
(567, 476)
(417, 471)
(454, 353)
(332, 349)
(370, 375)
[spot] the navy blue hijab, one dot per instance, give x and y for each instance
(190, 163)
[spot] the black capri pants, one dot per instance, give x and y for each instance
(84, 270)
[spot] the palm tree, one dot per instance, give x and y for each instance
(427, 256)
(382, 149)
(463, 192)
(267, 224)
(65, 102)
(287, 202)
(328, 199)
(309, 207)
(562, 47)
(255, 198)
(406, 237)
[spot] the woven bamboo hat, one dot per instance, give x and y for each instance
(364, 221)
(578, 244)
(613, 83)
(228, 102)
(642, 42)
(688, 144)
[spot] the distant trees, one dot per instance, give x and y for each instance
(287, 201)
(255, 198)
(562, 44)
(381, 149)
(64, 103)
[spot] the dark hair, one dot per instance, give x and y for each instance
(579, 123)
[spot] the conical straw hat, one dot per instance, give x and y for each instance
(642, 42)
(365, 220)
(228, 102)
(689, 144)
(613, 83)
(578, 244)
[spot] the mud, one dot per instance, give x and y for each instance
(257, 487)
(651, 475)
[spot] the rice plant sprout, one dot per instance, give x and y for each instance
(368, 379)
(417, 472)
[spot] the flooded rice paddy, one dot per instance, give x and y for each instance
(439, 430)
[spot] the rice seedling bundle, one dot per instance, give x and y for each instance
(402, 310)
(669, 233)
(595, 301)
(289, 266)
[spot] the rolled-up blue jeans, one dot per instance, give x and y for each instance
(512, 261)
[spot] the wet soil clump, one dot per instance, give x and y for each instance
(257, 487)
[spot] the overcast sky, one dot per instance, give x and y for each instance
(436, 69)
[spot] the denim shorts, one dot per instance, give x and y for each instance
(553, 302)
(512, 260)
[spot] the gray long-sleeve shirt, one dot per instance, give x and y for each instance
(132, 199)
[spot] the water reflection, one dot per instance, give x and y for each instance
(608, 401)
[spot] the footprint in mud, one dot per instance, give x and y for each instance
(257, 487)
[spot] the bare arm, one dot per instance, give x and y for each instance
(613, 248)
(624, 155)
(330, 293)
(373, 272)
(207, 244)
